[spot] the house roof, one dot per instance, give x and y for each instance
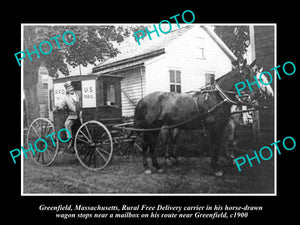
(219, 42)
(133, 54)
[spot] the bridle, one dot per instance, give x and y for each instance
(238, 99)
(224, 95)
(263, 89)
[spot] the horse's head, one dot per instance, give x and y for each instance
(246, 75)
(265, 88)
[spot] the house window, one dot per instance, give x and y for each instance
(199, 53)
(175, 81)
(45, 86)
(209, 79)
(44, 81)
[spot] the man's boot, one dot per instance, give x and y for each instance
(71, 143)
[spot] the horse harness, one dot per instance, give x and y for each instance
(218, 89)
(224, 96)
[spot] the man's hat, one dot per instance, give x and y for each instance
(68, 84)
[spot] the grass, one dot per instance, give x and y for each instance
(192, 174)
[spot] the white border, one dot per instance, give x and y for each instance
(153, 194)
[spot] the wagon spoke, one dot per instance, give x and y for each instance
(46, 128)
(86, 155)
(83, 140)
(124, 149)
(95, 161)
(138, 147)
(37, 133)
(102, 134)
(39, 154)
(85, 136)
(88, 133)
(90, 157)
(43, 129)
(40, 126)
(101, 149)
(50, 128)
(43, 158)
(101, 154)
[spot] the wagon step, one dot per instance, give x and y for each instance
(123, 125)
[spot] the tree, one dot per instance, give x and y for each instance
(237, 38)
(139, 28)
(92, 43)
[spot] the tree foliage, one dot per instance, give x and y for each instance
(139, 28)
(237, 38)
(92, 44)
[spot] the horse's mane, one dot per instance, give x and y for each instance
(227, 81)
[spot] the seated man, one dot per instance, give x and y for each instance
(71, 102)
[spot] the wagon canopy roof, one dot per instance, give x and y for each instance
(83, 77)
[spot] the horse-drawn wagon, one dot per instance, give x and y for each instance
(102, 126)
(95, 137)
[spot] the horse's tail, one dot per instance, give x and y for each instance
(139, 114)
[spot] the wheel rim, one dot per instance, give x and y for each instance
(129, 148)
(40, 128)
(127, 144)
(93, 145)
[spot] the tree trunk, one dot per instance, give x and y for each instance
(30, 91)
(32, 105)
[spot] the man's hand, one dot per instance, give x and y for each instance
(80, 117)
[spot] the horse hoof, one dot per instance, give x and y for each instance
(219, 173)
(174, 161)
(148, 171)
(169, 162)
(160, 170)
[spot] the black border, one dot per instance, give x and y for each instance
(25, 208)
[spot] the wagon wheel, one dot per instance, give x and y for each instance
(39, 129)
(128, 145)
(93, 145)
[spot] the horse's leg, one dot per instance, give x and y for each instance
(152, 146)
(144, 143)
(229, 140)
(169, 137)
(173, 145)
(215, 140)
(165, 135)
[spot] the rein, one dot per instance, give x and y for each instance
(250, 110)
(175, 125)
(223, 94)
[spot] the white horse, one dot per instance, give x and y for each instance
(236, 119)
(266, 90)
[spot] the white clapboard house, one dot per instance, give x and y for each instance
(181, 61)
